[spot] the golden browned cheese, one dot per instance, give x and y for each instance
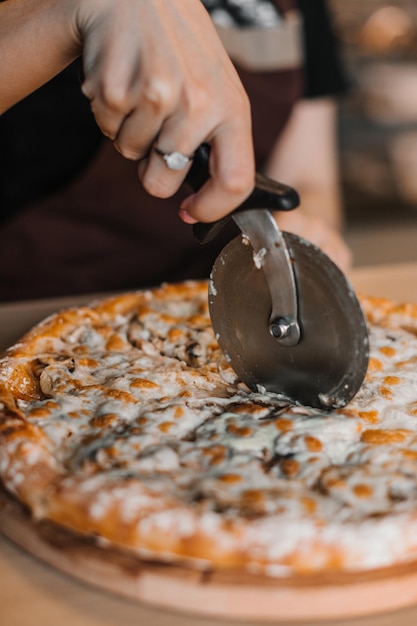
(124, 421)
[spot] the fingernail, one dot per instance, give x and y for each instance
(186, 217)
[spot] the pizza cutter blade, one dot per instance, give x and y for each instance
(285, 316)
(324, 362)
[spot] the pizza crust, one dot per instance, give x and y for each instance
(123, 421)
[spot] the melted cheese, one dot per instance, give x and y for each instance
(145, 398)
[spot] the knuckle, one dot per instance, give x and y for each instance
(109, 125)
(88, 90)
(115, 97)
(160, 94)
(197, 101)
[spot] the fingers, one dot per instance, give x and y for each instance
(163, 171)
(231, 167)
(232, 170)
(157, 75)
(157, 100)
(202, 114)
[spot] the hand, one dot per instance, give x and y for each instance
(320, 233)
(157, 74)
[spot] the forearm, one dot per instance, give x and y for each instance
(37, 40)
(306, 157)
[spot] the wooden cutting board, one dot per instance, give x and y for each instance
(231, 594)
(214, 595)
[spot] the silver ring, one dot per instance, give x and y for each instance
(174, 160)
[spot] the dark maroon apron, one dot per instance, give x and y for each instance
(104, 232)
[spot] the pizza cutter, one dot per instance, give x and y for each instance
(285, 316)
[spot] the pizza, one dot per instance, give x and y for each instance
(123, 422)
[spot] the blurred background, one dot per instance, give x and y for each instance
(378, 128)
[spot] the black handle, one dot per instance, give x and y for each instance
(267, 194)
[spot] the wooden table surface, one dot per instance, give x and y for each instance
(33, 593)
